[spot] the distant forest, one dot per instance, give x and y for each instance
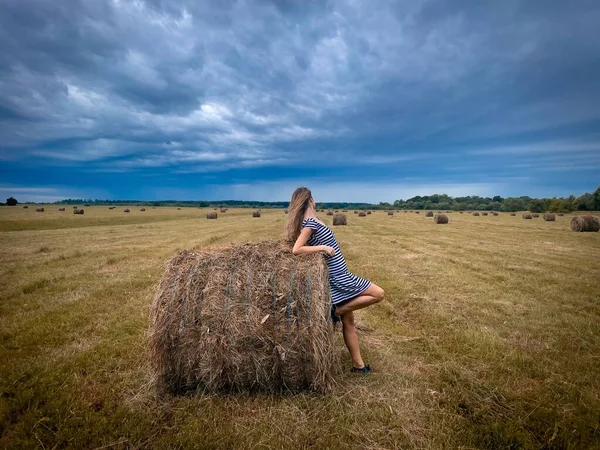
(585, 202)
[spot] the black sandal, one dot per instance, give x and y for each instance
(365, 369)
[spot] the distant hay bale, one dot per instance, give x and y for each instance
(142, 209)
(527, 216)
(39, 209)
(340, 219)
(417, 212)
(390, 213)
(429, 214)
(394, 241)
(484, 214)
(78, 211)
(178, 209)
(223, 210)
(337, 210)
(549, 217)
(368, 212)
(362, 214)
(64, 209)
(243, 318)
(475, 213)
(285, 211)
(126, 210)
(461, 212)
(330, 213)
(535, 215)
(561, 214)
(86, 205)
(344, 210)
(75, 207)
(494, 214)
(256, 214)
(440, 218)
(585, 223)
(111, 207)
(211, 215)
(513, 214)
(25, 207)
(355, 212)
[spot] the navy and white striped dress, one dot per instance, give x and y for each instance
(344, 285)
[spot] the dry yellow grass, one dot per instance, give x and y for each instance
(488, 337)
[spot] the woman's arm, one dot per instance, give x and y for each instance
(300, 246)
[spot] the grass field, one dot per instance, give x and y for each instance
(489, 336)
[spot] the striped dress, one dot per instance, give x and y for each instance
(344, 285)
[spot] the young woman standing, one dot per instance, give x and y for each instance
(349, 292)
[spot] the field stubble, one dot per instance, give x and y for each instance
(489, 336)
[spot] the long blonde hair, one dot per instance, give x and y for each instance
(298, 205)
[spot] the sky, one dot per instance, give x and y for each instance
(362, 101)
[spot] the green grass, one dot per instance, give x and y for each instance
(489, 336)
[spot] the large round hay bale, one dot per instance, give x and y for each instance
(475, 213)
(142, 209)
(440, 218)
(211, 215)
(39, 209)
(513, 214)
(75, 207)
(362, 214)
(78, 211)
(340, 219)
(111, 207)
(178, 209)
(223, 210)
(527, 216)
(126, 210)
(585, 223)
(484, 214)
(330, 213)
(285, 211)
(429, 214)
(535, 216)
(25, 207)
(560, 214)
(344, 210)
(64, 209)
(368, 212)
(549, 217)
(494, 214)
(355, 212)
(256, 214)
(461, 212)
(417, 212)
(390, 213)
(250, 317)
(86, 205)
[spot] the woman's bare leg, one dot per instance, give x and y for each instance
(373, 294)
(351, 340)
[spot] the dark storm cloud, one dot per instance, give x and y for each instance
(206, 86)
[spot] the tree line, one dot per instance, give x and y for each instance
(585, 202)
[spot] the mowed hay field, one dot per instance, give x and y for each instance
(489, 336)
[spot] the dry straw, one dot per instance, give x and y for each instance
(256, 214)
(211, 215)
(548, 217)
(585, 223)
(340, 219)
(440, 218)
(243, 318)
(527, 216)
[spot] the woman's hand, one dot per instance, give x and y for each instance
(328, 250)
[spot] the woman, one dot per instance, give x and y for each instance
(348, 291)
